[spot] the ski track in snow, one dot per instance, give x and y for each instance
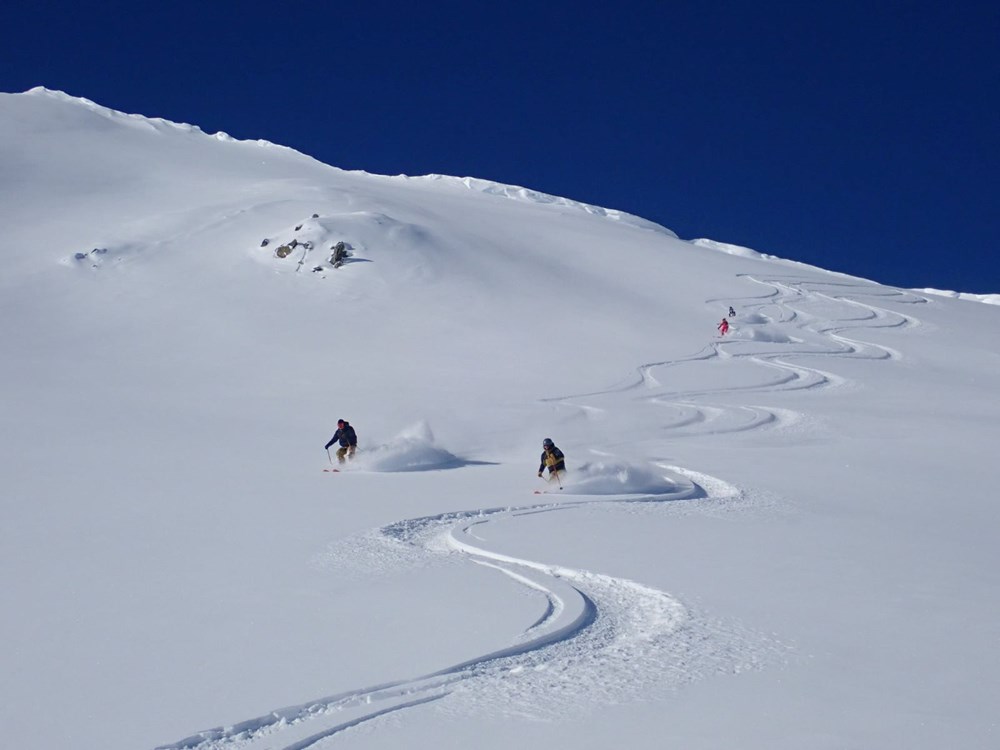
(601, 639)
(769, 332)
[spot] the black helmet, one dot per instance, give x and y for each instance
(548, 443)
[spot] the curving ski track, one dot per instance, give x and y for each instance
(595, 628)
(775, 333)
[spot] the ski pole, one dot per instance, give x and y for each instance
(329, 456)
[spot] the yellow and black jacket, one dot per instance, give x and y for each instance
(554, 459)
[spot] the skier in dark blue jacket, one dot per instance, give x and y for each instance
(347, 438)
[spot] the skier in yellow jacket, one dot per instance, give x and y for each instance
(552, 458)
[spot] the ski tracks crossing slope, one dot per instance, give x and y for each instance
(600, 638)
(797, 319)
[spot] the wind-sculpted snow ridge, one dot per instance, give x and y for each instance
(988, 299)
(516, 192)
(729, 249)
(142, 121)
(600, 639)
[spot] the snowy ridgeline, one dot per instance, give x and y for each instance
(989, 299)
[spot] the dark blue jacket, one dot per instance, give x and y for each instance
(345, 435)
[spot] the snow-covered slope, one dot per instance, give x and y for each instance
(780, 538)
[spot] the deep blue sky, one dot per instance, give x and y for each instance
(859, 136)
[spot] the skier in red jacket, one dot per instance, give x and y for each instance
(723, 327)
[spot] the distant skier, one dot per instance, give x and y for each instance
(723, 327)
(732, 312)
(347, 438)
(552, 458)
